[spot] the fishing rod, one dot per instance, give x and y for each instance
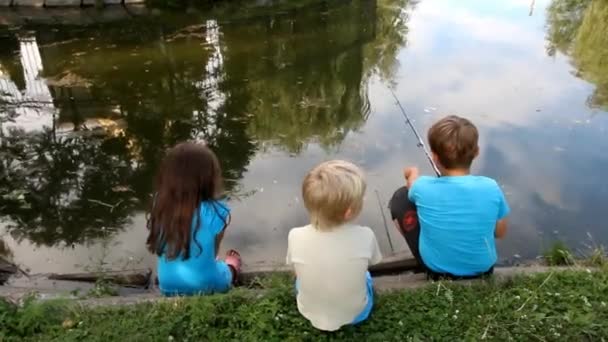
(420, 141)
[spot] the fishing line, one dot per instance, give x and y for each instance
(388, 235)
(420, 141)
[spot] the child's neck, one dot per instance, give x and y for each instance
(455, 172)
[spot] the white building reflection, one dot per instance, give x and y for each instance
(33, 105)
(210, 85)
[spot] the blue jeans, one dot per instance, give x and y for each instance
(367, 310)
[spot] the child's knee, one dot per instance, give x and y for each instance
(399, 203)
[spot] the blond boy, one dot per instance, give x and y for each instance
(331, 255)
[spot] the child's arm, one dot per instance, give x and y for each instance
(288, 260)
(376, 255)
(220, 236)
(218, 241)
(503, 210)
(411, 174)
(501, 229)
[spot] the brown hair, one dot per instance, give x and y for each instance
(189, 174)
(454, 140)
(330, 189)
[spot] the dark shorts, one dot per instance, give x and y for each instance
(404, 212)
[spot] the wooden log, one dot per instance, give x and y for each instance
(251, 274)
(4, 277)
(128, 278)
(7, 269)
(393, 264)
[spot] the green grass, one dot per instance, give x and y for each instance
(559, 254)
(564, 306)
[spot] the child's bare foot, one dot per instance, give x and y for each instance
(234, 261)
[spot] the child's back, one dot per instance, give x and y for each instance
(201, 272)
(331, 267)
(459, 214)
(330, 256)
(458, 218)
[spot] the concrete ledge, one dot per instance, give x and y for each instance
(414, 281)
(57, 15)
(45, 290)
(28, 3)
(61, 3)
(8, 17)
(88, 2)
(25, 14)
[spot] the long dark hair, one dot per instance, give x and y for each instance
(189, 174)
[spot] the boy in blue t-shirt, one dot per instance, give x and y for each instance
(451, 222)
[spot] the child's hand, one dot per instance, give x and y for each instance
(411, 174)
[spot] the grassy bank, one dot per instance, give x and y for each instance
(570, 305)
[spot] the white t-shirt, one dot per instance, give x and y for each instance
(330, 267)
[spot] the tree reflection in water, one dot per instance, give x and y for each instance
(121, 94)
(579, 29)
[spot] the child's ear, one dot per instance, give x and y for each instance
(435, 157)
(477, 152)
(348, 214)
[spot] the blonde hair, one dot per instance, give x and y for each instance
(330, 189)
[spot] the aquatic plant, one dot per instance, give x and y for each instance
(559, 255)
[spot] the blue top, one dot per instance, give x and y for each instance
(458, 218)
(201, 273)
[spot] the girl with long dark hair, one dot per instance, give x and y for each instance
(187, 223)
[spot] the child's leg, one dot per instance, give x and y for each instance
(403, 213)
(367, 310)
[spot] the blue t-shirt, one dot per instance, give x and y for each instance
(201, 273)
(458, 218)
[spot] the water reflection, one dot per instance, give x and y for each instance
(276, 92)
(540, 138)
(579, 28)
(556, 192)
(88, 111)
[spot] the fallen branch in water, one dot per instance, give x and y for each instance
(112, 207)
(8, 269)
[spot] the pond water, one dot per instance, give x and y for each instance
(88, 110)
